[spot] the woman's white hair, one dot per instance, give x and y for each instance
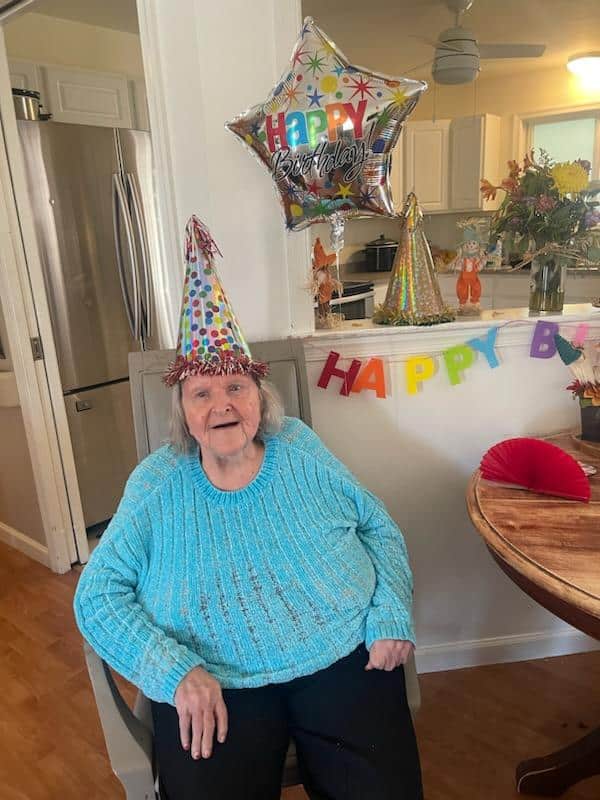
(271, 417)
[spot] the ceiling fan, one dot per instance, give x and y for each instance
(458, 53)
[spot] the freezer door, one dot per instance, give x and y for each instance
(70, 172)
(136, 160)
(102, 434)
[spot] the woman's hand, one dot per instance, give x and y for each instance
(199, 703)
(388, 654)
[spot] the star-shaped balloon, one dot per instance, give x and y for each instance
(326, 133)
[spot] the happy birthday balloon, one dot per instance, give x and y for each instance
(326, 133)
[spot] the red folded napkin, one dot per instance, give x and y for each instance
(536, 465)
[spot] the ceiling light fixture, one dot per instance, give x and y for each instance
(586, 66)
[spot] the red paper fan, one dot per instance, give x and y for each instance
(536, 465)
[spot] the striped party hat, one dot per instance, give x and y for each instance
(210, 339)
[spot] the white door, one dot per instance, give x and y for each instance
(26, 318)
(425, 167)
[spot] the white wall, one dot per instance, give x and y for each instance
(213, 61)
(40, 38)
(417, 452)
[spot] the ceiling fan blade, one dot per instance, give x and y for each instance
(511, 50)
(435, 43)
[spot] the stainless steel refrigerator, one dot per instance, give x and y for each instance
(92, 198)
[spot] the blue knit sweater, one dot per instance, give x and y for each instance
(258, 585)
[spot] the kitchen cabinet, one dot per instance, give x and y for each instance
(474, 154)
(88, 98)
(84, 97)
(444, 161)
(423, 149)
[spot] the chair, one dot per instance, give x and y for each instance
(128, 733)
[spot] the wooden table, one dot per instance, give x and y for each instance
(551, 549)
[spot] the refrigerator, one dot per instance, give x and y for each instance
(91, 192)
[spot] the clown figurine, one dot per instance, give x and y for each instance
(470, 259)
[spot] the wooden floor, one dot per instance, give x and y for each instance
(474, 726)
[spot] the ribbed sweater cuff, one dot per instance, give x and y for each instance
(172, 679)
(389, 629)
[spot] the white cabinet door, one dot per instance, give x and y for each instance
(475, 154)
(425, 167)
(88, 98)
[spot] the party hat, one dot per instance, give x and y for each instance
(210, 339)
(413, 295)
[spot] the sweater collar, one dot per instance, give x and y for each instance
(224, 497)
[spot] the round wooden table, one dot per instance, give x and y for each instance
(550, 548)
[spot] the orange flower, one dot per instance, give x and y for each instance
(513, 169)
(488, 190)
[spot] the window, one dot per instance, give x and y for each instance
(567, 139)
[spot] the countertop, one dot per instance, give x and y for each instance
(572, 313)
(377, 277)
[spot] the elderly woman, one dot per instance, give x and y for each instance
(253, 589)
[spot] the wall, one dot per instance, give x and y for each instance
(40, 38)
(208, 74)
(19, 507)
(417, 452)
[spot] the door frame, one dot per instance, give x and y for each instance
(38, 381)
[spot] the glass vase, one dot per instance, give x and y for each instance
(547, 284)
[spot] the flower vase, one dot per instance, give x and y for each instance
(590, 421)
(547, 284)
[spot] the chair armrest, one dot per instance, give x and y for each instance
(413, 692)
(128, 741)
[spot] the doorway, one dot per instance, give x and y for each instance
(82, 173)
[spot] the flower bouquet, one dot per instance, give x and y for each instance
(584, 363)
(549, 204)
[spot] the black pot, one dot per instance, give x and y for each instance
(590, 423)
(379, 254)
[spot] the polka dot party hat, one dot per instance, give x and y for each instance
(210, 339)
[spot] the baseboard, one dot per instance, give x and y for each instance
(25, 544)
(502, 649)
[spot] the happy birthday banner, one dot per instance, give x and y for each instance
(457, 359)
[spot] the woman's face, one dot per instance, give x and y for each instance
(222, 412)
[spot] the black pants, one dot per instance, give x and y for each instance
(353, 732)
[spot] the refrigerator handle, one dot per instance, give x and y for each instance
(143, 242)
(120, 209)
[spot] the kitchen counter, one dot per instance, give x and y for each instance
(571, 313)
(500, 288)
(376, 277)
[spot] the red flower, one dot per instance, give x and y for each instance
(511, 185)
(488, 190)
(544, 203)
